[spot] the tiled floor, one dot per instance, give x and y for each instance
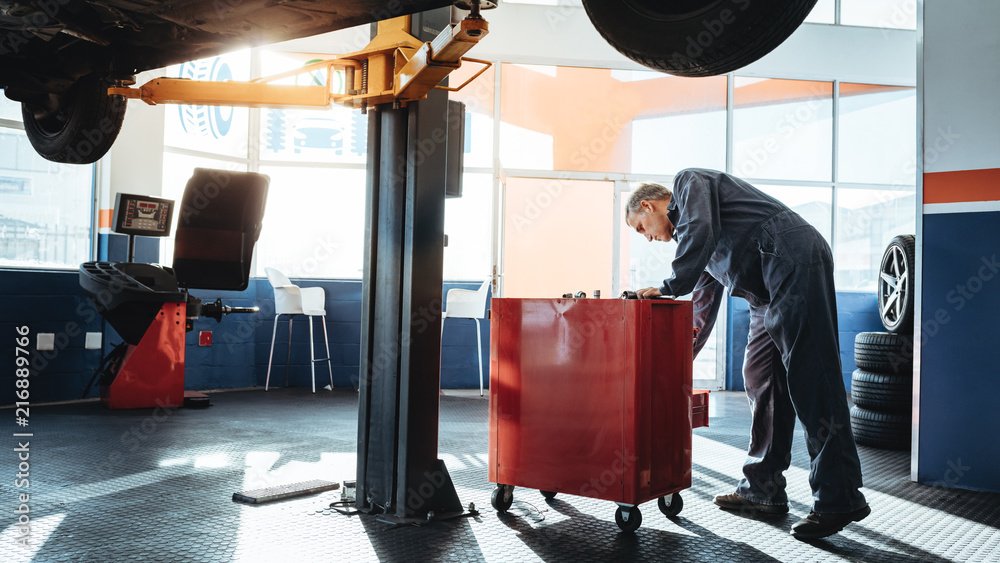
(156, 485)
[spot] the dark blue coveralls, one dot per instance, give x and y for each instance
(731, 234)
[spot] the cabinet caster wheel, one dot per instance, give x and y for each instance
(549, 495)
(671, 505)
(633, 522)
(502, 498)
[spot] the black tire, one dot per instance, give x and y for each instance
(883, 352)
(895, 285)
(502, 502)
(882, 392)
(549, 495)
(634, 519)
(886, 430)
(675, 506)
(84, 127)
(696, 37)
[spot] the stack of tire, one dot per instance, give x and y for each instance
(882, 386)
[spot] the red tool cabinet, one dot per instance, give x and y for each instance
(593, 397)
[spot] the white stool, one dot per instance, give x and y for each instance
(290, 299)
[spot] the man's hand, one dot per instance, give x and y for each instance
(648, 293)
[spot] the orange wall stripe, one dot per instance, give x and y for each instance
(104, 219)
(962, 186)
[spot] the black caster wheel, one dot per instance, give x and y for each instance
(549, 495)
(671, 505)
(634, 519)
(502, 498)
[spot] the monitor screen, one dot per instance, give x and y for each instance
(142, 215)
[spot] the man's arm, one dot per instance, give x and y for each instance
(697, 230)
(707, 299)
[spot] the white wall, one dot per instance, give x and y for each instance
(961, 85)
(136, 159)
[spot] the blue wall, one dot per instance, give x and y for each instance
(47, 302)
(53, 302)
(856, 312)
(960, 356)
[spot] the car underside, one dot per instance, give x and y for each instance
(48, 45)
(59, 57)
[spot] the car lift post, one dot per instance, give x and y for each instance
(403, 76)
(399, 474)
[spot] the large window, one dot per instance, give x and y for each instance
(46, 209)
(783, 139)
(840, 154)
(315, 222)
(615, 121)
(878, 134)
(876, 178)
(783, 129)
(557, 237)
(314, 219)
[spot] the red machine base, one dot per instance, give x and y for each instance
(152, 373)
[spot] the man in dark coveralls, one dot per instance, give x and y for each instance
(731, 235)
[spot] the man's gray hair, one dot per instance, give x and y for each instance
(645, 191)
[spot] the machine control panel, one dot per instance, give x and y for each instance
(142, 215)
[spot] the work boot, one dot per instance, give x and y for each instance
(818, 525)
(733, 501)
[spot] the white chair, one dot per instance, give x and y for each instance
(290, 299)
(468, 304)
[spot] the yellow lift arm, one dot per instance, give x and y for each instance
(394, 68)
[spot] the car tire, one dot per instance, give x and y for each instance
(83, 129)
(886, 430)
(883, 352)
(895, 285)
(696, 37)
(882, 392)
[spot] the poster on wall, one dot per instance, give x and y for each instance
(215, 129)
(335, 134)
